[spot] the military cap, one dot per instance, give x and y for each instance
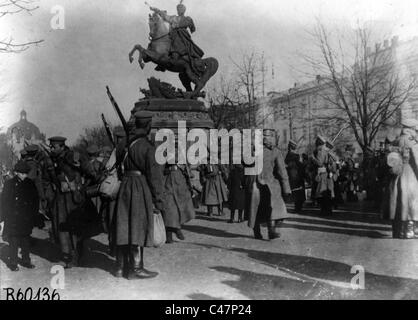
(93, 149)
(320, 140)
(269, 131)
(142, 118)
(119, 132)
(143, 115)
(22, 167)
(23, 153)
(32, 149)
(57, 139)
(409, 123)
(292, 144)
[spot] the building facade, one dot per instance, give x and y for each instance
(302, 112)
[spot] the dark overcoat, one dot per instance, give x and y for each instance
(296, 173)
(139, 195)
(179, 207)
(214, 190)
(19, 207)
(267, 189)
(236, 188)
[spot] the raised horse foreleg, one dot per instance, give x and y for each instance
(138, 48)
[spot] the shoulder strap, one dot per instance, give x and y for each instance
(128, 153)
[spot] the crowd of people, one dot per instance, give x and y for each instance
(66, 186)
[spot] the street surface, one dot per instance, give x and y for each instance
(312, 260)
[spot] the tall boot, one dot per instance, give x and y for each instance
(137, 270)
(179, 234)
(273, 234)
(169, 236)
(409, 229)
(257, 232)
(120, 259)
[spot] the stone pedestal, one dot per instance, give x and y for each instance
(167, 113)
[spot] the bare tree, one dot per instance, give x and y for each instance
(10, 7)
(365, 87)
(235, 100)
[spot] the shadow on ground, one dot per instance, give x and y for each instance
(213, 232)
(202, 296)
(315, 275)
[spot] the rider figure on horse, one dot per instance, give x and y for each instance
(182, 45)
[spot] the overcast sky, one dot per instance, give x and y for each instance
(61, 82)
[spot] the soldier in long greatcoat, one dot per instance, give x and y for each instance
(267, 190)
(402, 203)
(179, 207)
(141, 194)
(214, 191)
(326, 170)
(179, 203)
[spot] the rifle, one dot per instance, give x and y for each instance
(108, 131)
(119, 113)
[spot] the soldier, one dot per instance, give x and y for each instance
(69, 195)
(325, 165)
(295, 171)
(268, 190)
(141, 194)
(179, 204)
(214, 191)
(403, 198)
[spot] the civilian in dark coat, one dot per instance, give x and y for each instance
(19, 209)
(236, 192)
(296, 173)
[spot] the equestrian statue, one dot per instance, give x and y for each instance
(173, 49)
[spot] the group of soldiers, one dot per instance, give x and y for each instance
(68, 188)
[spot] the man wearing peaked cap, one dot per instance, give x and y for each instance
(57, 139)
(32, 149)
(93, 150)
(140, 196)
(119, 132)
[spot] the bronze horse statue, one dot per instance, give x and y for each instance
(196, 71)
